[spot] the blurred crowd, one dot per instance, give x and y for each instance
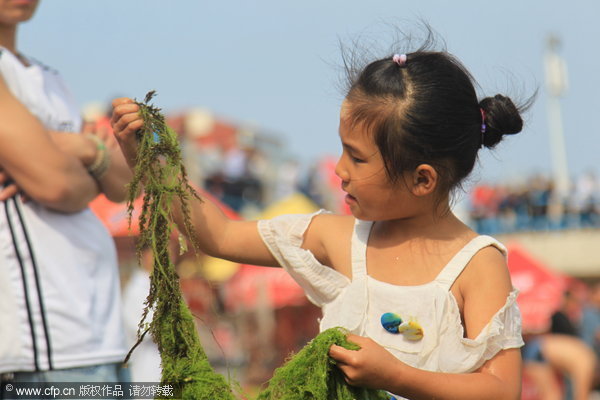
(562, 361)
(535, 205)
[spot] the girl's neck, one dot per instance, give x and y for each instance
(8, 37)
(422, 227)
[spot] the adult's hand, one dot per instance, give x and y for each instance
(8, 187)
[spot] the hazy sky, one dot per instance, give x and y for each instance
(275, 63)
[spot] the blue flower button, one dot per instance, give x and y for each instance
(391, 322)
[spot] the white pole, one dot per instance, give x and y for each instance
(556, 82)
(557, 142)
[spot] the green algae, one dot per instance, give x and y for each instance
(312, 375)
(159, 169)
(309, 375)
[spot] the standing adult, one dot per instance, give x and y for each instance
(60, 316)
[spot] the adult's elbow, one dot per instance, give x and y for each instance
(61, 196)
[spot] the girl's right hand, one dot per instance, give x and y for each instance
(370, 366)
(126, 121)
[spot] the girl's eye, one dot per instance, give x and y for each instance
(357, 160)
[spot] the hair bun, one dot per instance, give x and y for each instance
(502, 117)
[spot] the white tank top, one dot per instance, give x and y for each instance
(358, 304)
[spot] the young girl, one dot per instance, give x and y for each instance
(428, 300)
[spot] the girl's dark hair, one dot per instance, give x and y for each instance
(426, 111)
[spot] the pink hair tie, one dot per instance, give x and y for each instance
(483, 125)
(399, 59)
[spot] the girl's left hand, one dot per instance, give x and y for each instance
(125, 122)
(371, 366)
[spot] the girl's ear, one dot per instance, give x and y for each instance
(425, 179)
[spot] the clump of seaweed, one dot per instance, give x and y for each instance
(309, 375)
(159, 169)
(312, 375)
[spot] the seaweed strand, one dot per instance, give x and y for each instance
(159, 169)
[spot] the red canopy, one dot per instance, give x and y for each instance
(541, 289)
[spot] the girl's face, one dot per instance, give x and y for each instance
(13, 12)
(370, 195)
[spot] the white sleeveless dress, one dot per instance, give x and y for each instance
(358, 304)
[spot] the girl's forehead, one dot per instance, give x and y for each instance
(351, 129)
(346, 112)
(346, 120)
(345, 108)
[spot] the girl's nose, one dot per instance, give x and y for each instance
(340, 171)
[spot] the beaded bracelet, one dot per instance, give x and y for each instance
(98, 168)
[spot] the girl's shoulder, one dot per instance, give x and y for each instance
(334, 221)
(487, 267)
(328, 228)
(490, 263)
(484, 287)
(329, 238)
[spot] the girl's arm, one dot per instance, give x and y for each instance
(218, 236)
(373, 366)
(484, 287)
(33, 161)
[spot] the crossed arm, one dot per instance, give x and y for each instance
(50, 167)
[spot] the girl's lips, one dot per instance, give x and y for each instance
(23, 2)
(349, 199)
